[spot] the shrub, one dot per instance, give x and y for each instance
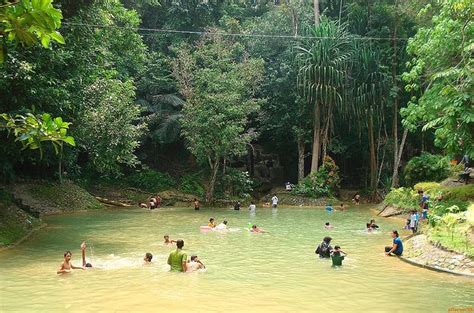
(323, 183)
(404, 198)
(236, 183)
(460, 193)
(192, 184)
(426, 167)
(427, 186)
(151, 181)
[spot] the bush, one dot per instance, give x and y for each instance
(192, 184)
(427, 186)
(404, 198)
(236, 183)
(461, 193)
(323, 183)
(426, 167)
(151, 181)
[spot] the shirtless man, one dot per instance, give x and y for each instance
(194, 265)
(66, 266)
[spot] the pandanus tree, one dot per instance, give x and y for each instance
(323, 59)
(370, 87)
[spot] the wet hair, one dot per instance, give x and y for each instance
(342, 204)
(395, 232)
(327, 224)
(211, 219)
(88, 265)
(67, 252)
(327, 239)
(254, 226)
(193, 257)
(225, 222)
(179, 243)
(148, 256)
(420, 191)
(166, 236)
(372, 221)
(337, 247)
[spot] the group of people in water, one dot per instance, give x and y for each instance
(178, 259)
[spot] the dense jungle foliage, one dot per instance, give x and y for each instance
(222, 98)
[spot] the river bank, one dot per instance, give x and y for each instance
(420, 251)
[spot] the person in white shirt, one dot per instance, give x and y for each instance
(222, 226)
(252, 207)
(274, 201)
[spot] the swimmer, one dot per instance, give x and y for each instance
(142, 205)
(177, 258)
(66, 266)
(211, 223)
(83, 250)
(222, 226)
(194, 265)
(148, 257)
(168, 241)
(328, 226)
(337, 255)
(372, 226)
(255, 229)
(237, 206)
(324, 249)
(341, 207)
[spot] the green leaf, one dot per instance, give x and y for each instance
(70, 140)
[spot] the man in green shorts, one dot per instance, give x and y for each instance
(178, 258)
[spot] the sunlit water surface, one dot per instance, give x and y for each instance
(275, 272)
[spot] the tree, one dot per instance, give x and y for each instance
(219, 82)
(32, 130)
(28, 21)
(370, 96)
(109, 129)
(322, 76)
(440, 77)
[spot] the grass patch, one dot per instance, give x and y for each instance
(460, 242)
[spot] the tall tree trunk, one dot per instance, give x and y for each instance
(214, 164)
(301, 149)
(316, 12)
(395, 176)
(316, 139)
(373, 158)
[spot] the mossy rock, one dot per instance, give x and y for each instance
(46, 197)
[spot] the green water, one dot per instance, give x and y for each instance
(274, 272)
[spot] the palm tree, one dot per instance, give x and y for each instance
(370, 91)
(322, 77)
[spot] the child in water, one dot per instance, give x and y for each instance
(211, 223)
(255, 229)
(148, 257)
(168, 241)
(328, 226)
(337, 255)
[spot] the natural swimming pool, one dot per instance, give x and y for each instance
(276, 272)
